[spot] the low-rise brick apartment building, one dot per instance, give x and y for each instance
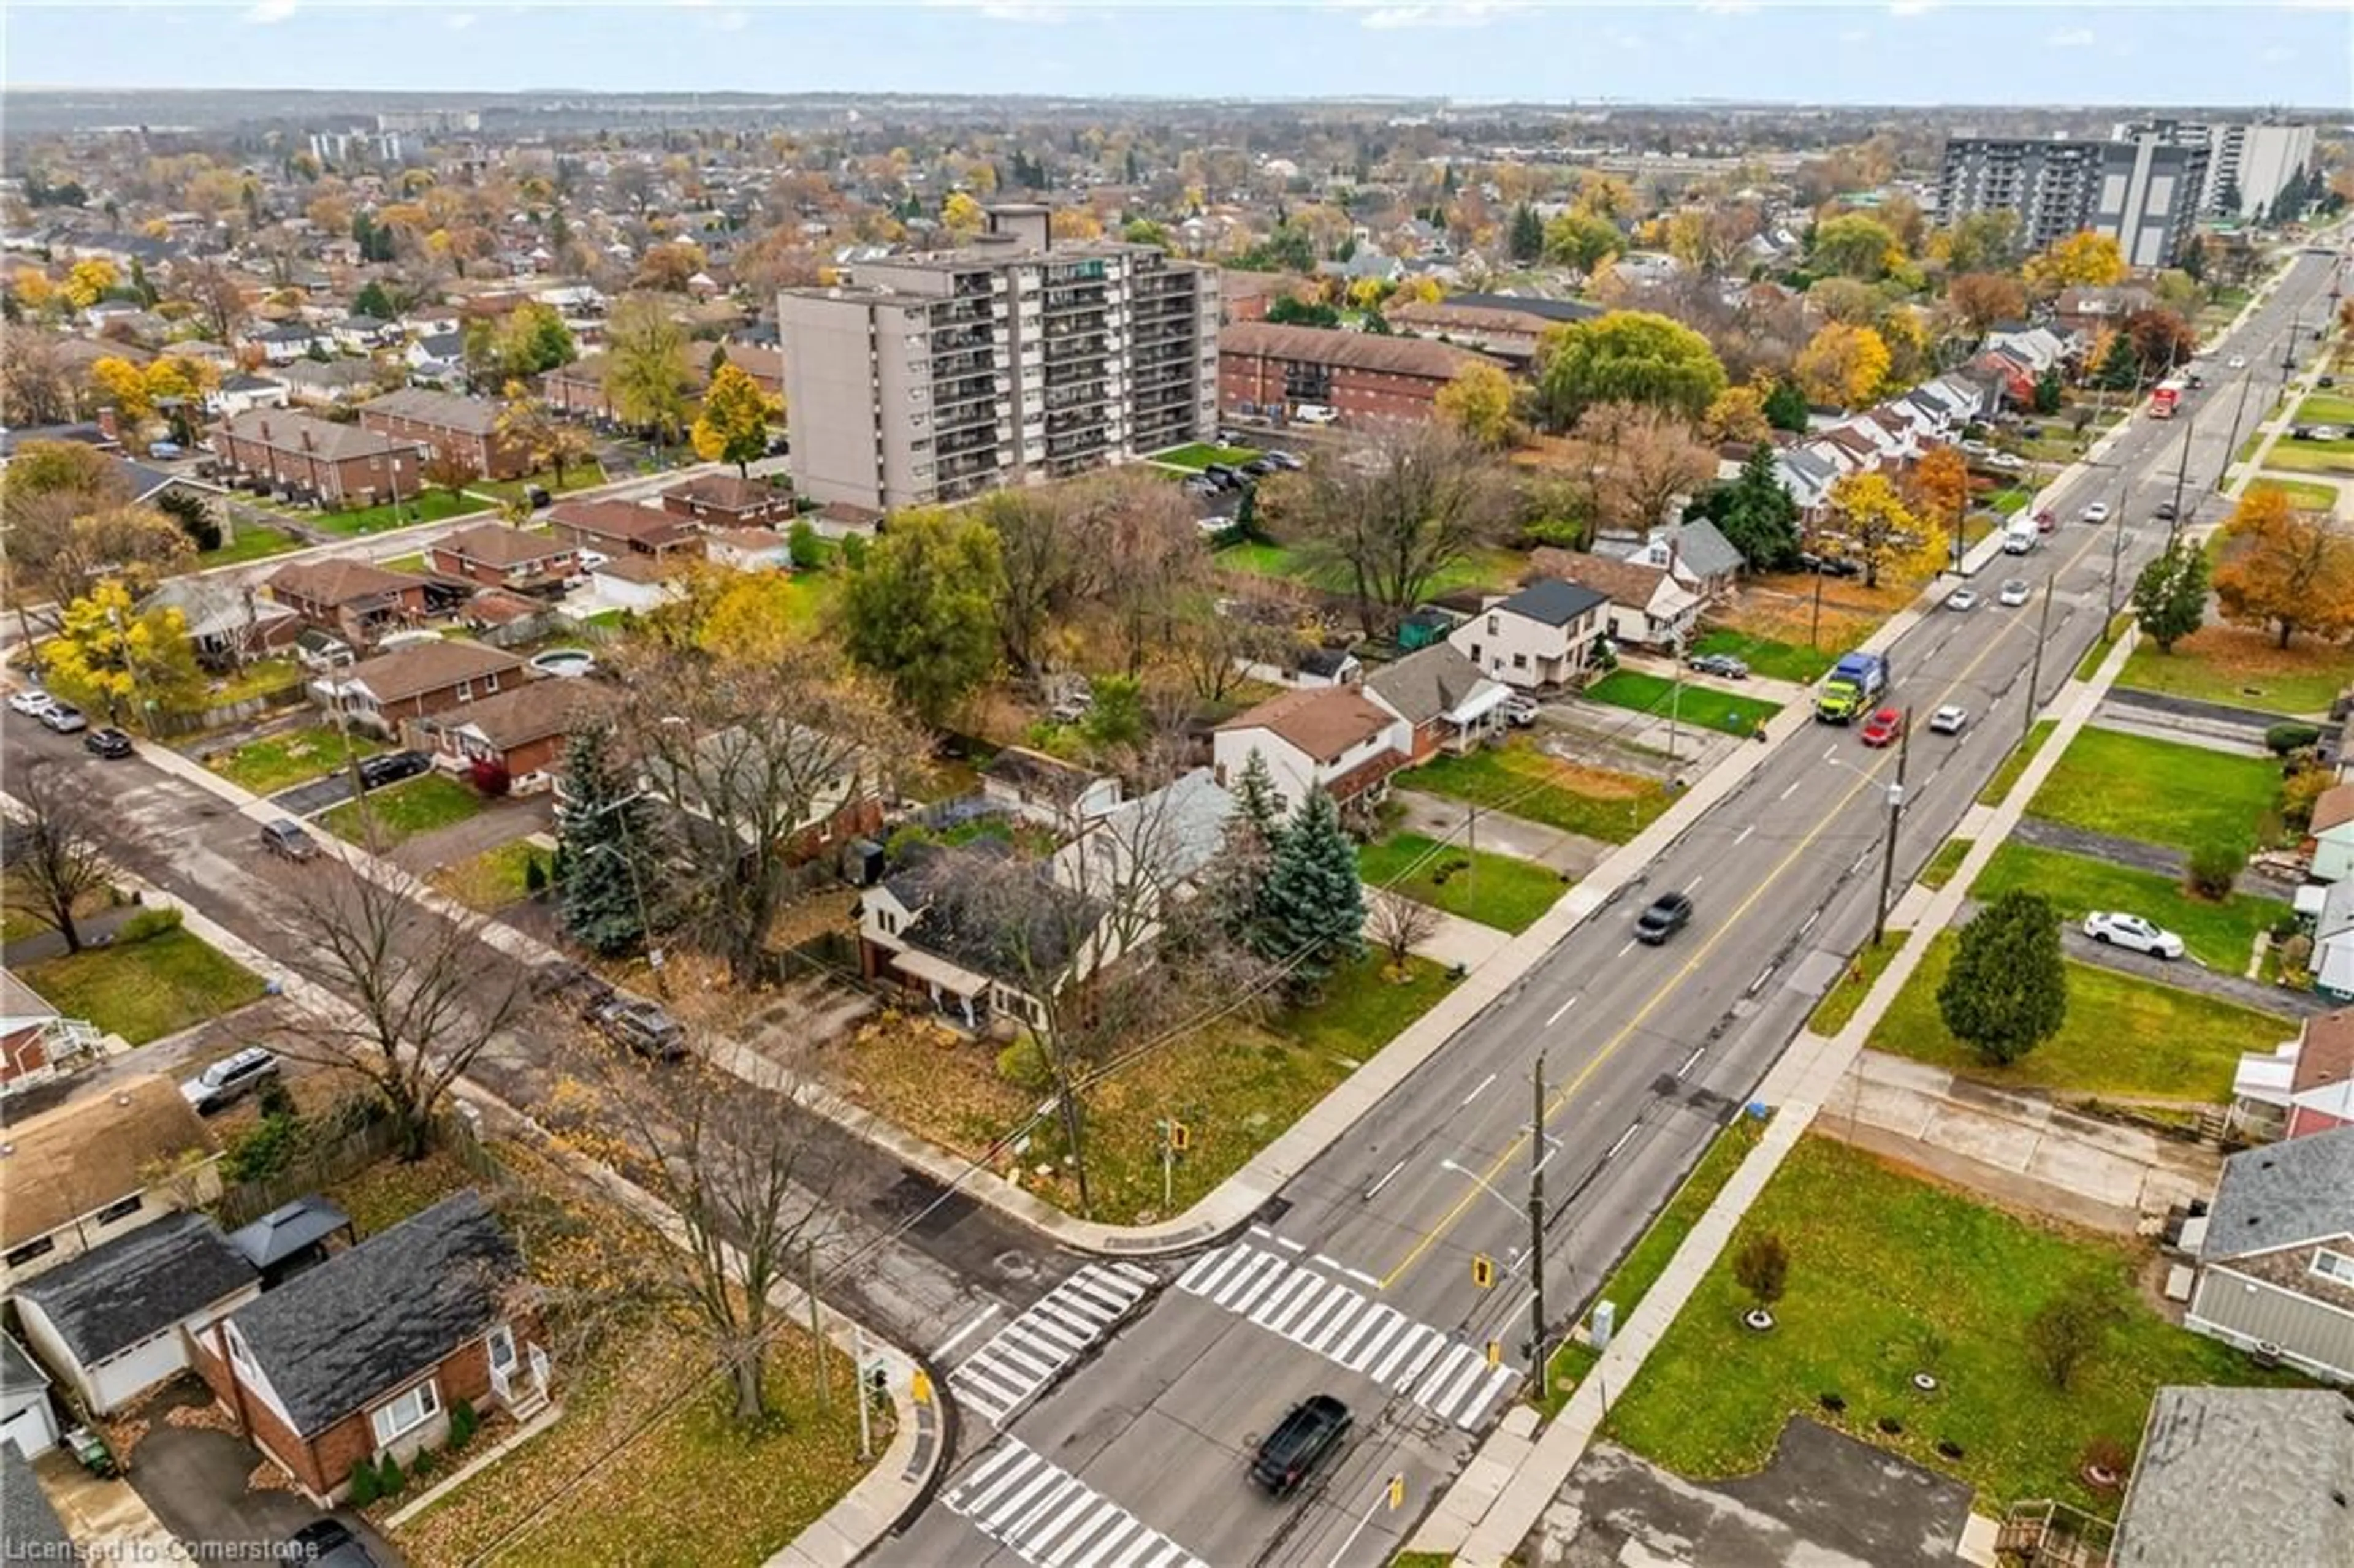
(340, 465)
(465, 429)
(1264, 367)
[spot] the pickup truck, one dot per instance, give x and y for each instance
(1851, 687)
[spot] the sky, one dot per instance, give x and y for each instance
(2225, 52)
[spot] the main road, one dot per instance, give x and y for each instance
(1359, 1279)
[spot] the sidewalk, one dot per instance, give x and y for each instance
(1494, 1503)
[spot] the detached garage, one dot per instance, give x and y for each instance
(116, 1321)
(27, 1422)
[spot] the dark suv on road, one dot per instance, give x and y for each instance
(1305, 1439)
(1668, 914)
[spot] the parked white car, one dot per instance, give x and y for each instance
(2239, 361)
(31, 702)
(2133, 933)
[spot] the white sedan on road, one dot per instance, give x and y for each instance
(2238, 362)
(1949, 719)
(2098, 511)
(2133, 933)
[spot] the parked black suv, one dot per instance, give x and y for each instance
(1668, 914)
(109, 743)
(376, 772)
(286, 837)
(1305, 1439)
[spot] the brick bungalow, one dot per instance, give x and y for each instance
(356, 600)
(622, 528)
(343, 465)
(421, 679)
(499, 557)
(367, 1353)
(466, 428)
(25, 1021)
(1362, 376)
(522, 729)
(724, 501)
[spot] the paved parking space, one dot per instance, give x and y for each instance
(195, 1478)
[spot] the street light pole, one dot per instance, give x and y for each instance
(2231, 445)
(1536, 1221)
(1896, 815)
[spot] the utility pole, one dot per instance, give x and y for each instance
(2232, 446)
(1536, 1221)
(2035, 667)
(1676, 695)
(2181, 475)
(1815, 631)
(1896, 815)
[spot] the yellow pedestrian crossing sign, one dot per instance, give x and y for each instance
(919, 1386)
(1397, 1492)
(1483, 1270)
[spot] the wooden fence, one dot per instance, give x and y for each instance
(325, 1164)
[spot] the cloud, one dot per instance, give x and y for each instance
(265, 12)
(1727, 7)
(731, 21)
(1910, 7)
(2071, 39)
(1853, 36)
(1438, 13)
(459, 21)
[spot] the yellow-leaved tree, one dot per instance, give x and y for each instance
(733, 426)
(962, 216)
(124, 385)
(1738, 413)
(109, 656)
(1478, 402)
(1868, 524)
(89, 280)
(1842, 364)
(2285, 570)
(2085, 258)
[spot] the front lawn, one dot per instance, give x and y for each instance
(579, 476)
(2124, 1036)
(2311, 457)
(2159, 791)
(1237, 1085)
(2302, 493)
(671, 1476)
(1890, 1276)
(2013, 766)
(248, 542)
(1648, 1257)
(1776, 661)
(1689, 703)
(432, 506)
(492, 880)
(403, 810)
(1527, 783)
(1946, 862)
(2324, 409)
(1196, 456)
(261, 678)
(2242, 667)
(281, 761)
(2220, 936)
(143, 990)
(1493, 889)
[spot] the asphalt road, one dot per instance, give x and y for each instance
(1365, 1262)
(912, 1267)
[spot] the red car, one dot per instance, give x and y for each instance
(2045, 522)
(1880, 727)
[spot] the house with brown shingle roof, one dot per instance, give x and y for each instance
(465, 429)
(619, 529)
(417, 680)
(89, 1169)
(1263, 366)
(522, 729)
(2331, 834)
(727, 500)
(1329, 738)
(356, 600)
(1648, 608)
(499, 557)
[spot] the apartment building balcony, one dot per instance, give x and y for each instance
(964, 362)
(963, 443)
(1071, 349)
(970, 286)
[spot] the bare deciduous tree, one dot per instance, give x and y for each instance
(1142, 553)
(1394, 511)
(1639, 458)
(55, 860)
(425, 993)
(748, 1180)
(752, 761)
(1398, 925)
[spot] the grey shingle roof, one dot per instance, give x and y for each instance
(1553, 601)
(367, 1320)
(120, 1292)
(1707, 551)
(2242, 1475)
(2283, 1194)
(287, 1230)
(1425, 683)
(20, 1381)
(28, 1521)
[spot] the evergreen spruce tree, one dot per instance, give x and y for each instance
(2171, 596)
(597, 840)
(1314, 905)
(1527, 241)
(1786, 406)
(2007, 991)
(1755, 512)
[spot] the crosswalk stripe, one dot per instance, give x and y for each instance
(1209, 1266)
(1021, 1501)
(1025, 1354)
(1419, 1363)
(1081, 1500)
(1460, 1374)
(1417, 1334)
(1099, 1293)
(1353, 1306)
(1277, 1301)
(1364, 1340)
(1006, 1461)
(1299, 1307)
(1338, 1300)
(1103, 1548)
(1250, 1279)
(1088, 1528)
(1136, 1274)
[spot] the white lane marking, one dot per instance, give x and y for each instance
(1742, 836)
(1695, 882)
(1698, 1052)
(1288, 1244)
(1467, 1100)
(1372, 1191)
(1361, 1277)
(1794, 786)
(1558, 1011)
(1624, 1138)
(941, 1351)
(1628, 949)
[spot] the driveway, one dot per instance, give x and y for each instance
(194, 1478)
(1825, 1501)
(499, 822)
(1436, 817)
(305, 801)
(2184, 974)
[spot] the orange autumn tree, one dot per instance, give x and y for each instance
(2285, 570)
(1938, 488)
(1868, 522)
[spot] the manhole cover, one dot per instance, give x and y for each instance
(1016, 1265)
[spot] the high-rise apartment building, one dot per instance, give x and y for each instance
(928, 378)
(2247, 164)
(2145, 192)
